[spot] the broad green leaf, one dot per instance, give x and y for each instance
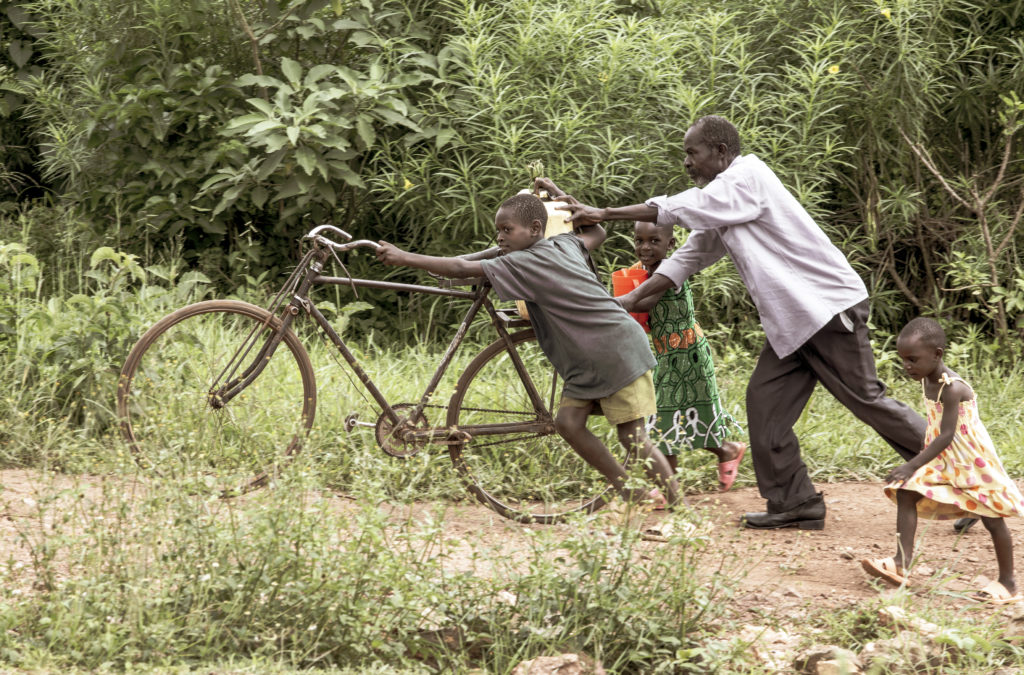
(270, 164)
(366, 132)
(244, 120)
(293, 134)
(20, 51)
(318, 72)
(306, 159)
(105, 253)
(347, 24)
(263, 126)
(350, 176)
(274, 142)
(290, 188)
(259, 196)
(396, 118)
(443, 136)
(213, 180)
(263, 106)
(292, 70)
(251, 79)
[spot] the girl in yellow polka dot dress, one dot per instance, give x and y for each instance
(956, 474)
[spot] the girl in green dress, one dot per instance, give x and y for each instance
(689, 412)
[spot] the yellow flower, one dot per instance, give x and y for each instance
(408, 184)
(833, 69)
(886, 12)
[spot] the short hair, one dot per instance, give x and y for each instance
(668, 229)
(526, 208)
(715, 130)
(927, 330)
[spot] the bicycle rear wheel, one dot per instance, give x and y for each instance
(177, 426)
(529, 475)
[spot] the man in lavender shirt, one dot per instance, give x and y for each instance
(813, 308)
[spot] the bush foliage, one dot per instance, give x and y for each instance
(220, 129)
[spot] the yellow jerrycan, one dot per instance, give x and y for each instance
(556, 225)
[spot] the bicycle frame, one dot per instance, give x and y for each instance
(311, 276)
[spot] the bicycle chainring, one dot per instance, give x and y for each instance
(396, 447)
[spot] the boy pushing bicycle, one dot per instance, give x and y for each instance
(600, 352)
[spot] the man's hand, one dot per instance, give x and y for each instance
(650, 290)
(582, 214)
(628, 301)
(902, 473)
(389, 254)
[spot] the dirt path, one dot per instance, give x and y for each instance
(786, 568)
(791, 569)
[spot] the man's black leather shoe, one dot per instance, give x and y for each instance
(961, 525)
(807, 516)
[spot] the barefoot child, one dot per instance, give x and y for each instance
(689, 412)
(957, 474)
(600, 352)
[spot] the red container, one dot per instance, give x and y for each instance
(623, 282)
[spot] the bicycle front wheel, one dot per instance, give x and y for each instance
(514, 461)
(175, 422)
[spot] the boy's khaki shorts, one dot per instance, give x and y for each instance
(632, 402)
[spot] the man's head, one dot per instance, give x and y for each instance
(921, 345)
(519, 222)
(652, 242)
(710, 144)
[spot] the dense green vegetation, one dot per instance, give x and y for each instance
(157, 152)
(215, 131)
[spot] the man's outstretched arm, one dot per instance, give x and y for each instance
(654, 286)
(590, 215)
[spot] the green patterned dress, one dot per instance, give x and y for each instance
(689, 412)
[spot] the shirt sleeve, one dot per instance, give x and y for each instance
(701, 249)
(510, 275)
(726, 200)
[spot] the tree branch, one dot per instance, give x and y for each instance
(253, 43)
(926, 160)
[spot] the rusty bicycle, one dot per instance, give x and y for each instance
(226, 388)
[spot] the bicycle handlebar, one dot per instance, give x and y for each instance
(315, 235)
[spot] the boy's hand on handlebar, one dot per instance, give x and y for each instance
(389, 254)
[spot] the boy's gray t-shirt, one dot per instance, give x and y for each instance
(594, 344)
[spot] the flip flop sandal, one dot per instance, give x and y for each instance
(885, 569)
(996, 594)
(727, 470)
(658, 501)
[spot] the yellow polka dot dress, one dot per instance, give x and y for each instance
(965, 479)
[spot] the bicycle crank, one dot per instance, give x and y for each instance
(392, 440)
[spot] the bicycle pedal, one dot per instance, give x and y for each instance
(353, 421)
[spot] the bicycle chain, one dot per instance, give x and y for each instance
(493, 410)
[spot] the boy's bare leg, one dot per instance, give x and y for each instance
(659, 469)
(571, 424)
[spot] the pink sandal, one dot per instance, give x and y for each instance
(657, 500)
(727, 470)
